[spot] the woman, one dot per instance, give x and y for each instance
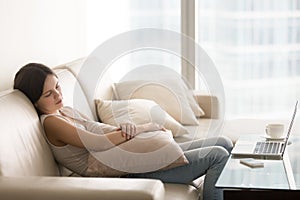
(70, 136)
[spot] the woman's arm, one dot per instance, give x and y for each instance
(149, 127)
(60, 132)
(130, 130)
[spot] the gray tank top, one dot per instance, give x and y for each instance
(69, 156)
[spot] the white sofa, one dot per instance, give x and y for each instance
(29, 171)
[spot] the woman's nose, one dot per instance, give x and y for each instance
(56, 93)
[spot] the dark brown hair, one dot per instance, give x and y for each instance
(30, 80)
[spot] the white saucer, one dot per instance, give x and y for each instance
(269, 138)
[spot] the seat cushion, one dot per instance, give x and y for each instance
(23, 149)
(181, 192)
(205, 129)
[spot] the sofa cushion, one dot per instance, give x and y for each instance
(93, 82)
(73, 94)
(137, 111)
(23, 149)
(79, 188)
(149, 151)
(169, 94)
(205, 129)
(182, 192)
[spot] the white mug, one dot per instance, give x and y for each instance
(274, 130)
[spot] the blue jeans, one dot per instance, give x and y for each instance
(206, 157)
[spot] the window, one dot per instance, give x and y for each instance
(253, 43)
(255, 46)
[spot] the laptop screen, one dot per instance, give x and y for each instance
(290, 128)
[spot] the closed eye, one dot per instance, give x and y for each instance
(48, 94)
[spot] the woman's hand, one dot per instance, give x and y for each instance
(128, 130)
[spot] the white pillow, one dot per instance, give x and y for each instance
(146, 152)
(137, 111)
(169, 94)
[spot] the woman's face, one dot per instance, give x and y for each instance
(51, 99)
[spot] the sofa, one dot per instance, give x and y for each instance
(29, 171)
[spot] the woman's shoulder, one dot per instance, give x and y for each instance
(54, 115)
(75, 114)
(44, 116)
(68, 109)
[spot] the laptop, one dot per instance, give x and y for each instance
(264, 149)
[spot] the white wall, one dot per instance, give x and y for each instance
(106, 19)
(48, 31)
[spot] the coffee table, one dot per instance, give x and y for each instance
(276, 178)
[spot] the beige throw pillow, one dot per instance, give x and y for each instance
(137, 111)
(150, 151)
(169, 94)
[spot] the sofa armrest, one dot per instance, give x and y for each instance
(208, 103)
(75, 188)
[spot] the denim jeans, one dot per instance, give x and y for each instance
(206, 157)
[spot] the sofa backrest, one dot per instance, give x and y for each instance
(73, 95)
(23, 149)
(82, 85)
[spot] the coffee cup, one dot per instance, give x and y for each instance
(274, 130)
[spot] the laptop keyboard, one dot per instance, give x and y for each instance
(268, 147)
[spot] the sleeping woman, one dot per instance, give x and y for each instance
(73, 137)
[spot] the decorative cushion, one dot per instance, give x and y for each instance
(137, 111)
(149, 151)
(169, 94)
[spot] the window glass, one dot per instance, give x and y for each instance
(255, 46)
